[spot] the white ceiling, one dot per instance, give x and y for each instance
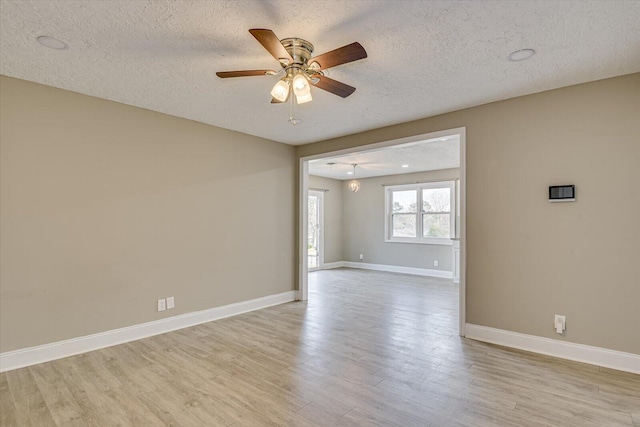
(428, 155)
(425, 57)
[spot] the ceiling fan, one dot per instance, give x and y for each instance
(294, 55)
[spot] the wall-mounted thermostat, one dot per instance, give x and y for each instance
(562, 193)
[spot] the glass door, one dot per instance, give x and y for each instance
(315, 258)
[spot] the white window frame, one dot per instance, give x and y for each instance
(388, 227)
(320, 195)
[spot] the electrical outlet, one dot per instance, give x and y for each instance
(170, 303)
(435, 263)
(560, 323)
(162, 304)
(361, 257)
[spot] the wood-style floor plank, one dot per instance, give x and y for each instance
(31, 408)
(368, 349)
(8, 415)
(63, 407)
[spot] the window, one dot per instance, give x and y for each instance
(420, 213)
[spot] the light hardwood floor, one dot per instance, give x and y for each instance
(369, 349)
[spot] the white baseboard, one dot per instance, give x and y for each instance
(330, 265)
(398, 269)
(613, 359)
(57, 350)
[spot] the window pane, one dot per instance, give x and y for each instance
(436, 225)
(404, 225)
(404, 201)
(313, 261)
(436, 200)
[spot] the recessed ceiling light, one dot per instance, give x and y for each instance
(52, 43)
(349, 173)
(405, 166)
(521, 55)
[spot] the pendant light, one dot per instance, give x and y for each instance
(354, 185)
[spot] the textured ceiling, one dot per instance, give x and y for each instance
(425, 57)
(432, 154)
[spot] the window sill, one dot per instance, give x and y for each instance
(438, 242)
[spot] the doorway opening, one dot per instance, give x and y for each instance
(391, 150)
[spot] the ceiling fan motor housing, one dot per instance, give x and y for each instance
(299, 49)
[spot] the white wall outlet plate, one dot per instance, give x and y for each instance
(162, 305)
(361, 257)
(170, 303)
(435, 262)
(560, 323)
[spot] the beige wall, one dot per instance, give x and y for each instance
(364, 217)
(529, 259)
(333, 231)
(105, 208)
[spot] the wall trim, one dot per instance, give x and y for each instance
(44, 353)
(444, 274)
(331, 265)
(613, 359)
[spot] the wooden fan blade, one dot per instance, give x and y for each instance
(342, 55)
(334, 86)
(271, 42)
(244, 73)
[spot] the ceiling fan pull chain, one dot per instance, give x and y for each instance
(292, 118)
(290, 107)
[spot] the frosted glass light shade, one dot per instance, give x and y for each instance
(281, 91)
(301, 86)
(304, 98)
(354, 185)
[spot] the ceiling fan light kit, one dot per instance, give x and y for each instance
(301, 70)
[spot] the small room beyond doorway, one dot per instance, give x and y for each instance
(393, 208)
